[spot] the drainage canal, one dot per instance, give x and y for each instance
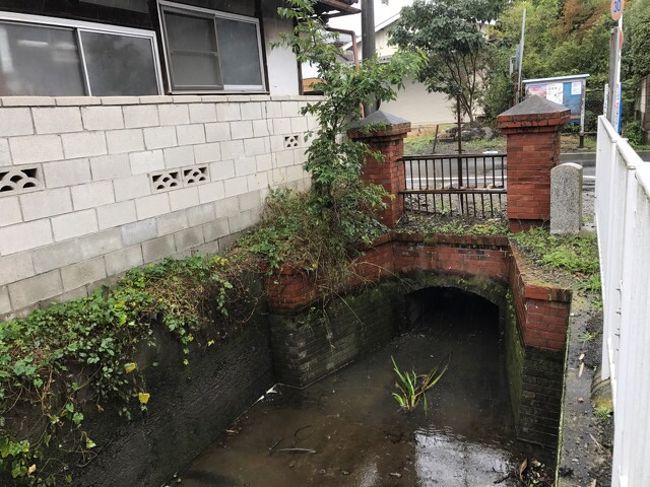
(348, 430)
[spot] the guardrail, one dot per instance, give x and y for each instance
(466, 185)
(623, 223)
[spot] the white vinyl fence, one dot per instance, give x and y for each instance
(623, 222)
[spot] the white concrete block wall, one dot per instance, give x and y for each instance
(91, 187)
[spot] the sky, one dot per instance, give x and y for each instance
(382, 12)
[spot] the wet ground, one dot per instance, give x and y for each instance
(347, 430)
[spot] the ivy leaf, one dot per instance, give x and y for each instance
(77, 418)
(130, 367)
(143, 397)
(90, 444)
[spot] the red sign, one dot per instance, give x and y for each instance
(617, 9)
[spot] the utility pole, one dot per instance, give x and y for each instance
(368, 39)
(521, 55)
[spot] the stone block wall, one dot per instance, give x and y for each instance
(90, 187)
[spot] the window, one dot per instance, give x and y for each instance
(210, 51)
(59, 57)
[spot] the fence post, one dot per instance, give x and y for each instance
(533, 131)
(385, 133)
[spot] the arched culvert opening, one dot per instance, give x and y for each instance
(473, 399)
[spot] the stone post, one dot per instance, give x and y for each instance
(533, 131)
(385, 133)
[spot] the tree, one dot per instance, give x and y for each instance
(449, 35)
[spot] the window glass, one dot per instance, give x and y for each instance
(240, 55)
(37, 60)
(119, 65)
(192, 47)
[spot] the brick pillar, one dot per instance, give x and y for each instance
(387, 137)
(533, 131)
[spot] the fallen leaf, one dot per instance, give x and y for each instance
(31, 469)
(522, 468)
(143, 397)
(130, 367)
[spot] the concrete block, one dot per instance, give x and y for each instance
(42, 204)
(255, 147)
(57, 120)
(123, 260)
(282, 126)
(188, 238)
(200, 214)
(258, 181)
(131, 187)
(110, 167)
(261, 128)
(190, 134)
(172, 222)
(36, 148)
(77, 275)
(146, 162)
(222, 170)
(203, 113)
(154, 205)
(284, 158)
(207, 152)
(227, 207)
(227, 112)
(84, 144)
(5, 154)
(232, 149)
(74, 224)
(210, 192)
(9, 211)
(159, 248)
(92, 195)
(184, 198)
(290, 109)
(273, 109)
(566, 198)
(55, 256)
(28, 101)
(215, 229)
(217, 132)
(277, 143)
(251, 111)
(15, 121)
(66, 173)
(243, 221)
(121, 141)
(25, 236)
(38, 288)
(179, 156)
(299, 125)
(173, 114)
(116, 214)
(102, 118)
(209, 248)
(248, 201)
(245, 166)
(5, 302)
(120, 100)
(137, 116)
(138, 232)
(100, 243)
(160, 137)
(264, 162)
(156, 99)
(75, 101)
(241, 130)
(16, 267)
(236, 186)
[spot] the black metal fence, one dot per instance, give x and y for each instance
(469, 185)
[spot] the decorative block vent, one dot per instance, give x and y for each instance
(291, 141)
(166, 180)
(20, 180)
(179, 178)
(195, 175)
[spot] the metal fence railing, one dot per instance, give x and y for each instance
(467, 185)
(623, 223)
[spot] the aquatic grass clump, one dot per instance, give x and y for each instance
(413, 387)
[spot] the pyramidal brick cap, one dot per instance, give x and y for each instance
(534, 111)
(380, 123)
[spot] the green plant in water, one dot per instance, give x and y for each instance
(412, 387)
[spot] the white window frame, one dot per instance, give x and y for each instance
(79, 26)
(227, 89)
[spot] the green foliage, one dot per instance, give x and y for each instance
(73, 359)
(448, 35)
(412, 387)
(321, 230)
(577, 254)
(562, 38)
(633, 132)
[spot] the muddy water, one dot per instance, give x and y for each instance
(351, 429)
